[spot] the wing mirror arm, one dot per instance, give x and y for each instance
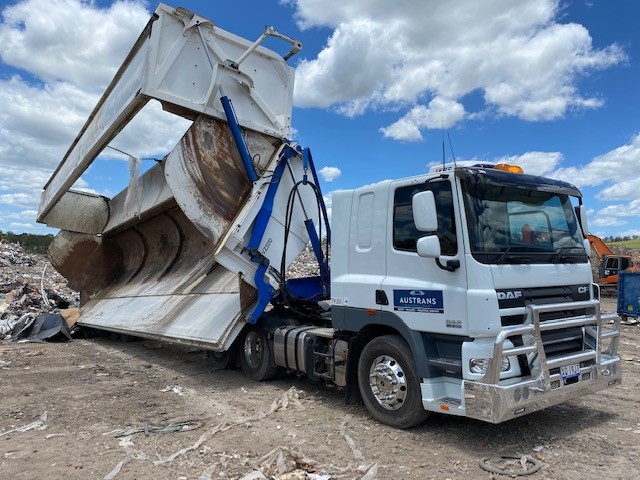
(449, 266)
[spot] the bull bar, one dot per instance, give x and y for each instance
(493, 400)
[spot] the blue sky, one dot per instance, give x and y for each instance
(550, 85)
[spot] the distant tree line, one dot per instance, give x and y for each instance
(621, 238)
(28, 241)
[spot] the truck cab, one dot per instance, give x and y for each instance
(495, 303)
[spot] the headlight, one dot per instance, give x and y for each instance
(479, 365)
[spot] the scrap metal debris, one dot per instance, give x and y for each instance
(29, 288)
(172, 428)
(512, 465)
(46, 326)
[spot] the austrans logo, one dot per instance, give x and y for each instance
(428, 301)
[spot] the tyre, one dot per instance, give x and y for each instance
(223, 360)
(256, 356)
(389, 382)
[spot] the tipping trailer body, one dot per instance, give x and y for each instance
(466, 290)
(167, 257)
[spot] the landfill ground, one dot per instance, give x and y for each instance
(80, 409)
(92, 389)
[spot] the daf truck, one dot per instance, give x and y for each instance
(465, 290)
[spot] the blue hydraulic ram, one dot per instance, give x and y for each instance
(237, 136)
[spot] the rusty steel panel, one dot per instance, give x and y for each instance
(210, 319)
(157, 279)
(86, 261)
(154, 197)
(207, 178)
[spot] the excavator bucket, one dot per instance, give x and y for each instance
(182, 254)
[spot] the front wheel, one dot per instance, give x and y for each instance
(255, 356)
(389, 382)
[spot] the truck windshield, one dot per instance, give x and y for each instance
(521, 225)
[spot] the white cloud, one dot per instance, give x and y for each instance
(516, 53)
(617, 175)
(328, 202)
(351, 68)
(607, 222)
(29, 215)
(38, 123)
(631, 209)
(65, 40)
(628, 233)
(20, 225)
(534, 163)
(17, 199)
(441, 113)
(618, 170)
(329, 174)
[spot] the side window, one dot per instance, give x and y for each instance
(405, 233)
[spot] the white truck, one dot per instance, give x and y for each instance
(466, 290)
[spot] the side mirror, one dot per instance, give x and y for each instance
(581, 212)
(429, 246)
(425, 216)
(587, 246)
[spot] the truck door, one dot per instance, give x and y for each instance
(424, 295)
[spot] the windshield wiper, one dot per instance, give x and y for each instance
(513, 258)
(560, 257)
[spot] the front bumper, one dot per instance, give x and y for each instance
(514, 398)
(494, 400)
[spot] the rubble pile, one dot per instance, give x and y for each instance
(305, 265)
(29, 286)
(628, 252)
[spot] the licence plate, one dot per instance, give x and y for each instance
(570, 371)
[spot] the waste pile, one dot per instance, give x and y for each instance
(305, 265)
(29, 287)
(627, 252)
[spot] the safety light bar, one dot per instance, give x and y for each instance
(473, 164)
(508, 168)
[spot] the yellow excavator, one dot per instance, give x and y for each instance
(610, 263)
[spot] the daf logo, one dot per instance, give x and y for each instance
(584, 289)
(510, 295)
(416, 293)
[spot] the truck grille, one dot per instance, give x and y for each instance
(562, 342)
(517, 298)
(556, 343)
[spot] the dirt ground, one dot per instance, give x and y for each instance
(93, 389)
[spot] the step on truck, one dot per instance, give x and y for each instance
(465, 291)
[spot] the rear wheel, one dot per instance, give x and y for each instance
(223, 360)
(389, 382)
(255, 356)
